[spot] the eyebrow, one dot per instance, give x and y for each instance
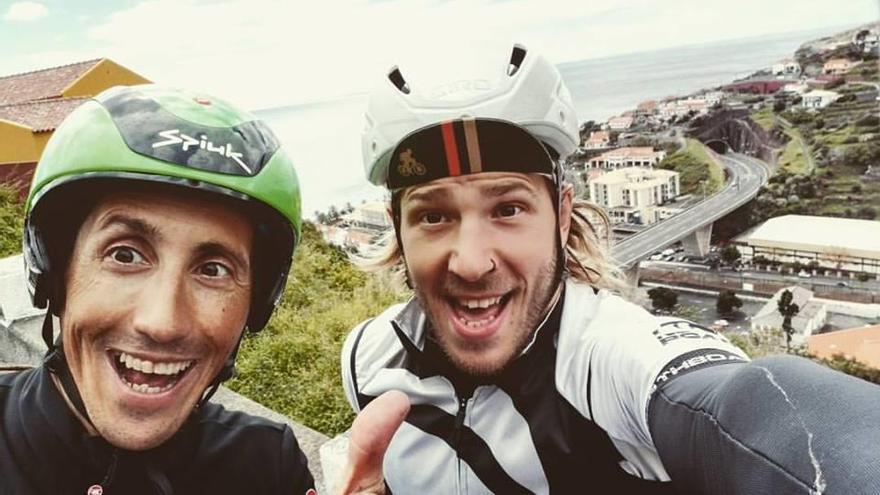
(136, 225)
(429, 196)
(508, 187)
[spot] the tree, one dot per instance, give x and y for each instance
(787, 309)
(727, 302)
(663, 299)
(730, 255)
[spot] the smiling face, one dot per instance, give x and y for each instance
(481, 252)
(157, 293)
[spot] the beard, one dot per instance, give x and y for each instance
(472, 358)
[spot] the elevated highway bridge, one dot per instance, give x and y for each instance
(693, 226)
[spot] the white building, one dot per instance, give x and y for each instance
(810, 318)
(371, 215)
(797, 88)
(835, 244)
(620, 123)
(639, 156)
(818, 98)
(632, 195)
(786, 67)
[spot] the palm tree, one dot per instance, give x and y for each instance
(787, 309)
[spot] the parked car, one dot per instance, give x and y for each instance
(842, 284)
(803, 274)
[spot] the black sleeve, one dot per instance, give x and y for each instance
(295, 468)
(778, 425)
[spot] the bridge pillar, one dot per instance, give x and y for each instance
(698, 242)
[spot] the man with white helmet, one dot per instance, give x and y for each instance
(521, 370)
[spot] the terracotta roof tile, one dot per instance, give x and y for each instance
(40, 115)
(862, 344)
(41, 84)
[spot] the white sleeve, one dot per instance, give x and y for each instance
(620, 352)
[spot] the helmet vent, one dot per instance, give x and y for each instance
(396, 78)
(516, 58)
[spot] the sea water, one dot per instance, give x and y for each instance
(324, 137)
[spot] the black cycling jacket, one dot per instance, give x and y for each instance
(44, 449)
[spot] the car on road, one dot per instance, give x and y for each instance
(803, 274)
(842, 284)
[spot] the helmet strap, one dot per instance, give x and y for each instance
(225, 373)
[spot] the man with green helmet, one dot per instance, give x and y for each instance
(160, 225)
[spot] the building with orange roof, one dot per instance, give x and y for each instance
(32, 104)
(861, 344)
(598, 140)
(838, 66)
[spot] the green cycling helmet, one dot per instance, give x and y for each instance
(130, 136)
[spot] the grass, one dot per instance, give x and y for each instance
(796, 157)
(695, 167)
(293, 365)
(764, 118)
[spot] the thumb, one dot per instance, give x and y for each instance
(370, 435)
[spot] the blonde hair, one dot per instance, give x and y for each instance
(587, 247)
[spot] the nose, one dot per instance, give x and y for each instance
(161, 311)
(473, 255)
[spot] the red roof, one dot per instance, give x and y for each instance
(42, 84)
(42, 115)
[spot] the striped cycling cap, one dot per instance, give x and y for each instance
(466, 146)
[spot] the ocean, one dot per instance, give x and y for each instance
(324, 137)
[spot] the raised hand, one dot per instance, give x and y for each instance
(370, 435)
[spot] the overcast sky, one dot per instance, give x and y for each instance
(263, 53)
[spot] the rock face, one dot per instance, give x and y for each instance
(733, 130)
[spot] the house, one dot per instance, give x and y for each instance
(637, 156)
(631, 194)
(861, 344)
(818, 98)
(598, 140)
(33, 103)
(713, 98)
(811, 316)
(797, 88)
(786, 67)
(837, 66)
(372, 215)
(867, 40)
(620, 123)
(647, 107)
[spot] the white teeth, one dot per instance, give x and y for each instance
(479, 303)
(477, 323)
(144, 366)
(143, 388)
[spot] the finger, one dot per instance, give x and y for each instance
(370, 435)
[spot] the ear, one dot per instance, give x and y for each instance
(565, 208)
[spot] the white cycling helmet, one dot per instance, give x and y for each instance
(479, 93)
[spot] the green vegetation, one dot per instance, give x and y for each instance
(696, 168)
(663, 299)
(766, 343)
(11, 221)
(764, 118)
(727, 302)
(796, 156)
(293, 365)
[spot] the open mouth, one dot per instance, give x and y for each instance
(476, 313)
(149, 377)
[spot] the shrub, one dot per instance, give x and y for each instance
(11, 221)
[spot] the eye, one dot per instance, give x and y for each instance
(508, 210)
(126, 256)
(214, 270)
(432, 218)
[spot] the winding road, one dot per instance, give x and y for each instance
(746, 175)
